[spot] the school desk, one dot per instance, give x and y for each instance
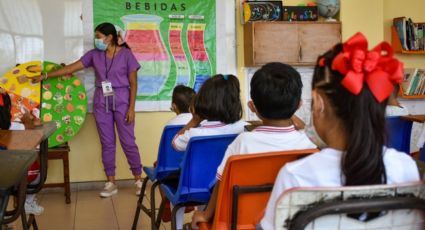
(416, 118)
(28, 140)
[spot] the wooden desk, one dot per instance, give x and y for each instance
(13, 171)
(27, 140)
(416, 118)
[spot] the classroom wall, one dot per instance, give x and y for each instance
(370, 17)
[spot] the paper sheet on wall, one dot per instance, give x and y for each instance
(303, 112)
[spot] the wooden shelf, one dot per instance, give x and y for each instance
(409, 97)
(396, 44)
(294, 43)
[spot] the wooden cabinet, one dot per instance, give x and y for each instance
(295, 43)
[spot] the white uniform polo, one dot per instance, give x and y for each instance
(207, 128)
(181, 119)
(266, 139)
(323, 169)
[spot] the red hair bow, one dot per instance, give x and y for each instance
(377, 67)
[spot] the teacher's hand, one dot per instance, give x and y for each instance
(36, 79)
(129, 117)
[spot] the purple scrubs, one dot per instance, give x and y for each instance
(107, 113)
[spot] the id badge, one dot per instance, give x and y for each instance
(107, 88)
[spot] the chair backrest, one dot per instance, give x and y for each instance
(253, 173)
(399, 131)
(199, 166)
(168, 158)
(327, 208)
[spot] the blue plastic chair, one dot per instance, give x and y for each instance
(168, 162)
(399, 132)
(198, 172)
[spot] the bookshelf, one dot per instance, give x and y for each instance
(401, 94)
(396, 44)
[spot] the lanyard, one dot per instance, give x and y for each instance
(112, 62)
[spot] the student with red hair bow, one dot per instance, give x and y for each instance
(350, 90)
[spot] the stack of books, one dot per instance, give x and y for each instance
(414, 82)
(411, 34)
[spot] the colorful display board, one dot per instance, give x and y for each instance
(174, 42)
(62, 99)
(25, 95)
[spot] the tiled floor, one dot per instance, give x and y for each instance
(88, 211)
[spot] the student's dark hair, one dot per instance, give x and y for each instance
(219, 99)
(276, 91)
(363, 118)
(106, 29)
(5, 114)
(182, 96)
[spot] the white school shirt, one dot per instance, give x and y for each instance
(323, 169)
(207, 128)
(421, 140)
(394, 110)
(265, 139)
(16, 126)
(181, 119)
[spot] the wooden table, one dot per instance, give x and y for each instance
(416, 118)
(27, 140)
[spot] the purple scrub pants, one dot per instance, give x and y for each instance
(107, 118)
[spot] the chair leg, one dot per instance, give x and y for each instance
(152, 212)
(24, 220)
(32, 222)
(173, 216)
(160, 212)
(65, 161)
(139, 204)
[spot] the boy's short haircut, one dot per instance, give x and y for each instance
(276, 91)
(182, 96)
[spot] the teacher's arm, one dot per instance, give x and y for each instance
(69, 69)
(132, 78)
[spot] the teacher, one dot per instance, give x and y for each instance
(114, 100)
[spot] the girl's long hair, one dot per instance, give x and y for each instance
(363, 118)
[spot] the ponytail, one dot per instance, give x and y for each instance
(363, 118)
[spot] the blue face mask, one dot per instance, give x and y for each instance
(100, 44)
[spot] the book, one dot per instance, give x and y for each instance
(409, 75)
(400, 25)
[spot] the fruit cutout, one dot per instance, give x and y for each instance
(64, 101)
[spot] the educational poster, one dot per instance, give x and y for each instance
(174, 42)
(64, 101)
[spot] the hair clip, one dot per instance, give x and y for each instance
(226, 77)
(322, 62)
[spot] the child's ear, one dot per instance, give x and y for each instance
(251, 107)
(317, 104)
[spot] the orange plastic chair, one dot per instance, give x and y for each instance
(245, 188)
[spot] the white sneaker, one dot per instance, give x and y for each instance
(109, 190)
(33, 208)
(138, 184)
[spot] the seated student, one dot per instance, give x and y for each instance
(31, 205)
(394, 107)
(276, 95)
(348, 124)
(216, 110)
(180, 102)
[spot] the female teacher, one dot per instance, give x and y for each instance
(114, 100)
